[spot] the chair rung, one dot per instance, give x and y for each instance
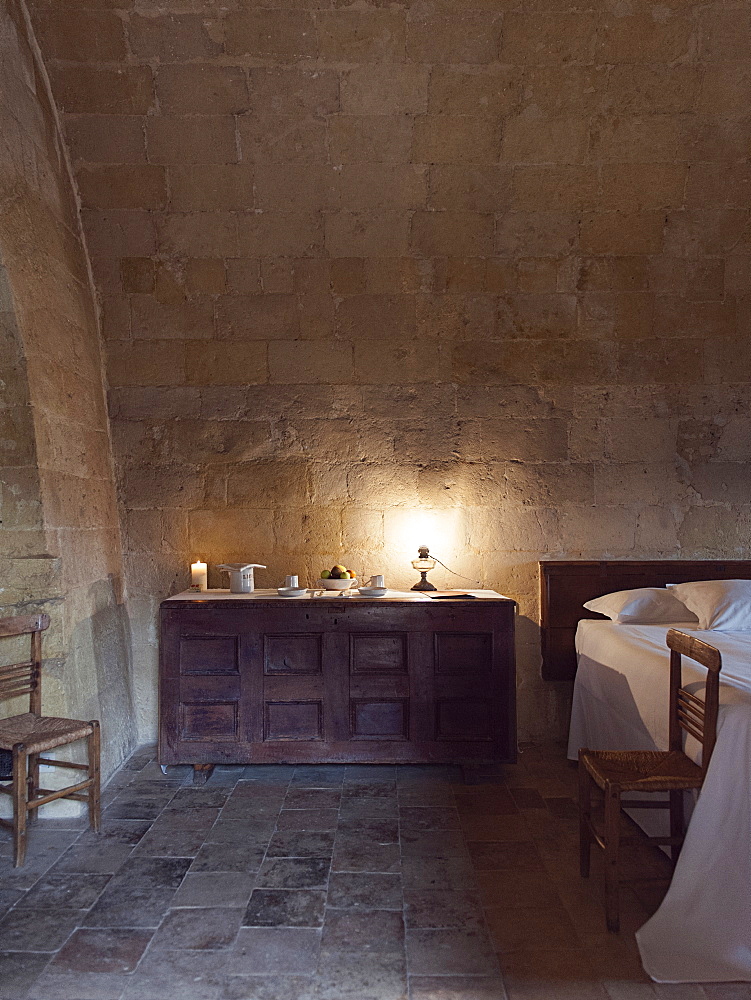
(16, 669)
(61, 793)
(643, 804)
(15, 692)
(62, 763)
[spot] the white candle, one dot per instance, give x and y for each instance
(198, 575)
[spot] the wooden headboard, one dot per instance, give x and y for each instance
(565, 586)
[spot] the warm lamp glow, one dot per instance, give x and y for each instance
(440, 530)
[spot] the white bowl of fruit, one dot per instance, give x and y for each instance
(337, 578)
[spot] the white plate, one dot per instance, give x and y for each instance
(291, 591)
(373, 591)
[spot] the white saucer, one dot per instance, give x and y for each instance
(291, 591)
(373, 591)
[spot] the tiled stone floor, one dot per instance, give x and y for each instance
(323, 883)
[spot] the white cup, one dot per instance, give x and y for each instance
(291, 581)
(376, 582)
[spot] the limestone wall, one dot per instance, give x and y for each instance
(479, 262)
(60, 548)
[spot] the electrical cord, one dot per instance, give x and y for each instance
(479, 583)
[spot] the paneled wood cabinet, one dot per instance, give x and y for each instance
(267, 681)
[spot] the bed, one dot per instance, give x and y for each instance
(702, 930)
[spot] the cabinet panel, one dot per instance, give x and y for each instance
(292, 654)
(294, 720)
(372, 653)
(207, 723)
(386, 720)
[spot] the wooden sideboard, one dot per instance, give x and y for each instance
(265, 680)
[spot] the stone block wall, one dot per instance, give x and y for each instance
(60, 548)
(482, 264)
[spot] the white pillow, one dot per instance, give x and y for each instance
(724, 605)
(645, 606)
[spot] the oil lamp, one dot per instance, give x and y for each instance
(424, 565)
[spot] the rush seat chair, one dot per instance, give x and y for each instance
(672, 771)
(30, 735)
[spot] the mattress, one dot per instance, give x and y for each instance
(702, 930)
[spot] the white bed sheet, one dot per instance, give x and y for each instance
(702, 930)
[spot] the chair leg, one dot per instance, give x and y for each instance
(585, 818)
(32, 784)
(94, 743)
(19, 804)
(612, 850)
(676, 822)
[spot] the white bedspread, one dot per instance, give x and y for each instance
(702, 930)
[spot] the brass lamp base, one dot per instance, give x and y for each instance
(423, 583)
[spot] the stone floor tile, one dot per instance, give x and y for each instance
(454, 952)
(429, 818)
(62, 889)
(364, 931)
(242, 858)
(438, 873)
(430, 795)
(194, 818)
(371, 857)
(614, 956)
(370, 773)
(11, 897)
(485, 802)
(456, 988)
(549, 968)
(102, 859)
(279, 774)
(440, 908)
(38, 930)
(285, 908)
(115, 831)
(255, 833)
(515, 889)
(19, 972)
(177, 975)
(199, 798)
(359, 810)
(317, 776)
(369, 790)
(275, 951)
(352, 976)
(500, 827)
(294, 873)
(518, 929)
(500, 856)
(140, 894)
(433, 844)
(294, 844)
(728, 991)
(357, 834)
(269, 988)
(205, 928)
(685, 991)
(78, 986)
(313, 798)
(316, 820)
(116, 950)
(365, 890)
(617, 989)
(214, 889)
(133, 804)
(170, 844)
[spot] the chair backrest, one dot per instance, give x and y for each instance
(689, 714)
(24, 678)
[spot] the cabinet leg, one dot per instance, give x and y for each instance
(202, 773)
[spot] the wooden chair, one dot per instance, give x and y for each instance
(617, 771)
(29, 735)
